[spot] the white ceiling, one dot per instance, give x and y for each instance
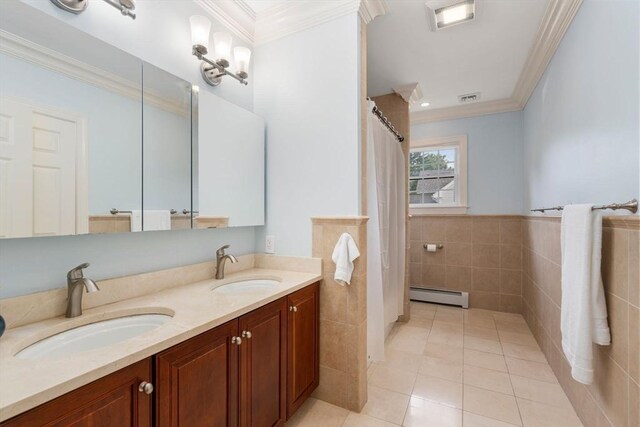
(486, 55)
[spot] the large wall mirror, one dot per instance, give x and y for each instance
(94, 140)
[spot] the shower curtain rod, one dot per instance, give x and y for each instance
(387, 123)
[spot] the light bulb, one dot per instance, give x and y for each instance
(242, 56)
(200, 27)
(222, 48)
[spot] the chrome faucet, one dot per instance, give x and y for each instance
(75, 282)
(221, 258)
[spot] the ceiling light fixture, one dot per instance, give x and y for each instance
(214, 70)
(445, 13)
(425, 104)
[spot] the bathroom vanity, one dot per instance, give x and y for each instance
(227, 357)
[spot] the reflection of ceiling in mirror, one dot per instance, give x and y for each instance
(33, 36)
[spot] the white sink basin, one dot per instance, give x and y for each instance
(93, 335)
(246, 286)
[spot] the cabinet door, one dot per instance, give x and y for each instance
(197, 381)
(303, 341)
(263, 365)
(110, 401)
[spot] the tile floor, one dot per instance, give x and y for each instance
(450, 367)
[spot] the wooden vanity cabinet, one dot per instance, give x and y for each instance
(197, 381)
(253, 371)
(303, 342)
(263, 364)
(114, 400)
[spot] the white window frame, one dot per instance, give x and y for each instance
(460, 143)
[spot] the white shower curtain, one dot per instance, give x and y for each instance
(386, 233)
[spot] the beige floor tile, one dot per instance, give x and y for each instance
(423, 413)
(477, 315)
(441, 368)
(361, 420)
(316, 413)
(508, 317)
(405, 331)
(474, 420)
(518, 327)
(539, 391)
(450, 315)
(481, 344)
(420, 323)
(536, 414)
(401, 360)
(447, 327)
(529, 369)
(443, 351)
(450, 339)
(525, 352)
(480, 322)
(438, 390)
(386, 405)
(485, 360)
(518, 338)
(407, 343)
(393, 379)
(487, 379)
(491, 404)
(480, 332)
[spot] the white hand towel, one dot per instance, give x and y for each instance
(157, 220)
(345, 252)
(136, 220)
(583, 319)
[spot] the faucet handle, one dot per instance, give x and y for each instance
(76, 273)
(220, 251)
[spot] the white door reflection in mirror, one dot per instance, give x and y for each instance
(43, 189)
(231, 165)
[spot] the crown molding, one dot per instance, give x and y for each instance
(291, 17)
(236, 15)
(287, 17)
(462, 111)
(555, 23)
(49, 59)
(370, 9)
(411, 92)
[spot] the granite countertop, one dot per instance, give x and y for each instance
(195, 309)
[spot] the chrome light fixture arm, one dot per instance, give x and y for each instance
(76, 7)
(212, 72)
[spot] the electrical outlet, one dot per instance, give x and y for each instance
(270, 244)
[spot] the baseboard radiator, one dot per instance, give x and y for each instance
(440, 296)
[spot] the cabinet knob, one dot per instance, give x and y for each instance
(246, 334)
(236, 340)
(145, 387)
(293, 308)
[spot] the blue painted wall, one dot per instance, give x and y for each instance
(581, 140)
(495, 159)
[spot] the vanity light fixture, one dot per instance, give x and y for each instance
(214, 70)
(126, 7)
(425, 104)
(445, 13)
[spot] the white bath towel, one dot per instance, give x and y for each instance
(345, 252)
(583, 318)
(153, 220)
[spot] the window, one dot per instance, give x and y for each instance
(438, 175)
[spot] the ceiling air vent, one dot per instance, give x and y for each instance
(469, 97)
